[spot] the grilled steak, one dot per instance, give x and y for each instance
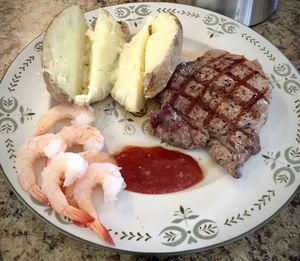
(218, 101)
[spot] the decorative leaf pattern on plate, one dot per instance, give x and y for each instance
(290, 164)
(111, 109)
(264, 199)
(258, 205)
(176, 235)
(256, 43)
(175, 11)
(143, 10)
(10, 149)
(220, 26)
(286, 80)
(129, 128)
(134, 236)
(297, 111)
(164, 10)
(122, 116)
(183, 215)
(15, 80)
(8, 104)
(27, 62)
(8, 108)
(271, 158)
(38, 46)
(205, 229)
(237, 218)
(133, 14)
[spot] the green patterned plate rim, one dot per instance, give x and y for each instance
(212, 213)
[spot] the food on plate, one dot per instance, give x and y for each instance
(162, 53)
(109, 177)
(87, 136)
(218, 101)
(34, 149)
(92, 156)
(107, 40)
(129, 87)
(64, 57)
(77, 115)
(83, 65)
(62, 165)
(79, 62)
(60, 186)
(156, 170)
(148, 61)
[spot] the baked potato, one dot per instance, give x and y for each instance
(83, 65)
(129, 86)
(148, 61)
(162, 53)
(79, 62)
(63, 54)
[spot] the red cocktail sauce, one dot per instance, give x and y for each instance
(155, 170)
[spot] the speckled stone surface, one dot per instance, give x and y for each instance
(24, 237)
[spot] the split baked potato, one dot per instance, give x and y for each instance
(148, 61)
(83, 65)
(162, 53)
(79, 62)
(129, 86)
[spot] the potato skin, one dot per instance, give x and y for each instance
(126, 30)
(156, 81)
(55, 91)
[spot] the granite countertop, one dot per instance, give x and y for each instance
(23, 236)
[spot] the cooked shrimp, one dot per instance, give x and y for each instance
(93, 156)
(107, 175)
(46, 145)
(64, 164)
(77, 115)
(90, 137)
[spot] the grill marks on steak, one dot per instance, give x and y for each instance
(218, 101)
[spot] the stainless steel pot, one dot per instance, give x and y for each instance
(248, 12)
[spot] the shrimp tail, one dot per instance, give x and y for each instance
(77, 215)
(102, 231)
(37, 193)
(68, 191)
(72, 201)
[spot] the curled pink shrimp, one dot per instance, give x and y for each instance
(46, 145)
(91, 156)
(109, 177)
(77, 115)
(90, 137)
(64, 165)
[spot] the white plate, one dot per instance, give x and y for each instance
(214, 212)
